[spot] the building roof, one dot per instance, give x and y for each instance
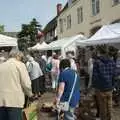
(51, 25)
(65, 7)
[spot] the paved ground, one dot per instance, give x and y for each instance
(116, 113)
(48, 97)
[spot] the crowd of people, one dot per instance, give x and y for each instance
(21, 76)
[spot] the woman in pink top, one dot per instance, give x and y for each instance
(55, 71)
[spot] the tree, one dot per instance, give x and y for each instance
(1, 28)
(28, 35)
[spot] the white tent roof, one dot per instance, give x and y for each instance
(39, 46)
(7, 41)
(64, 43)
(106, 35)
(43, 46)
(35, 47)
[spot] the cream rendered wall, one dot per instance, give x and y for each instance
(75, 28)
(108, 13)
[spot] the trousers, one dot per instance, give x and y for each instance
(8, 113)
(105, 104)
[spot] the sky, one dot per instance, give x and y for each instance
(13, 13)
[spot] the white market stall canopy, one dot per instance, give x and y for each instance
(108, 34)
(7, 41)
(43, 45)
(39, 46)
(65, 43)
(35, 47)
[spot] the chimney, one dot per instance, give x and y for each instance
(59, 8)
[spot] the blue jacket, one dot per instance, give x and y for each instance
(103, 73)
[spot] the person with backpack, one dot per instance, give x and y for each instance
(35, 73)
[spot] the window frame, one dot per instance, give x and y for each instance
(69, 21)
(79, 14)
(95, 7)
(61, 25)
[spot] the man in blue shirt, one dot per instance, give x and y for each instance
(66, 81)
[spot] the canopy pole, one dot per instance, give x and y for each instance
(63, 52)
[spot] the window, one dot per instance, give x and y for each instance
(95, 7)
(61, 25)
(51, 33)
(68, 21)
(115, 2)
(80, 15)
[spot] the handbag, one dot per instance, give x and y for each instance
(64, 106)
(30, 112)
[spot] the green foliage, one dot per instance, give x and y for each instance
(28, 35)
(1, 28)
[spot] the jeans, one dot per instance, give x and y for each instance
(8, 113)
(69, 115)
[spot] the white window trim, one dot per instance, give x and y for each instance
(94, 13)
(79, 14)
(69, 21)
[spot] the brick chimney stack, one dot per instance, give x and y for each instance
(59, 8)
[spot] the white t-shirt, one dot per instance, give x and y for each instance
(73, 64)
(34, 70)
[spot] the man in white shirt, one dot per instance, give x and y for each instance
(72, 61)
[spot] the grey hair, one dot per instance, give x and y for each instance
(15, 53)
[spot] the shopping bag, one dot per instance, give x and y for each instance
(30, 113)
(64, 106)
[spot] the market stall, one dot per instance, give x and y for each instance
(65, 44)
(39, 46)
(6, 41)
(108, 34)
(43, 46)
(35, 47)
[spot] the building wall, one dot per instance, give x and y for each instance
(108, 14)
